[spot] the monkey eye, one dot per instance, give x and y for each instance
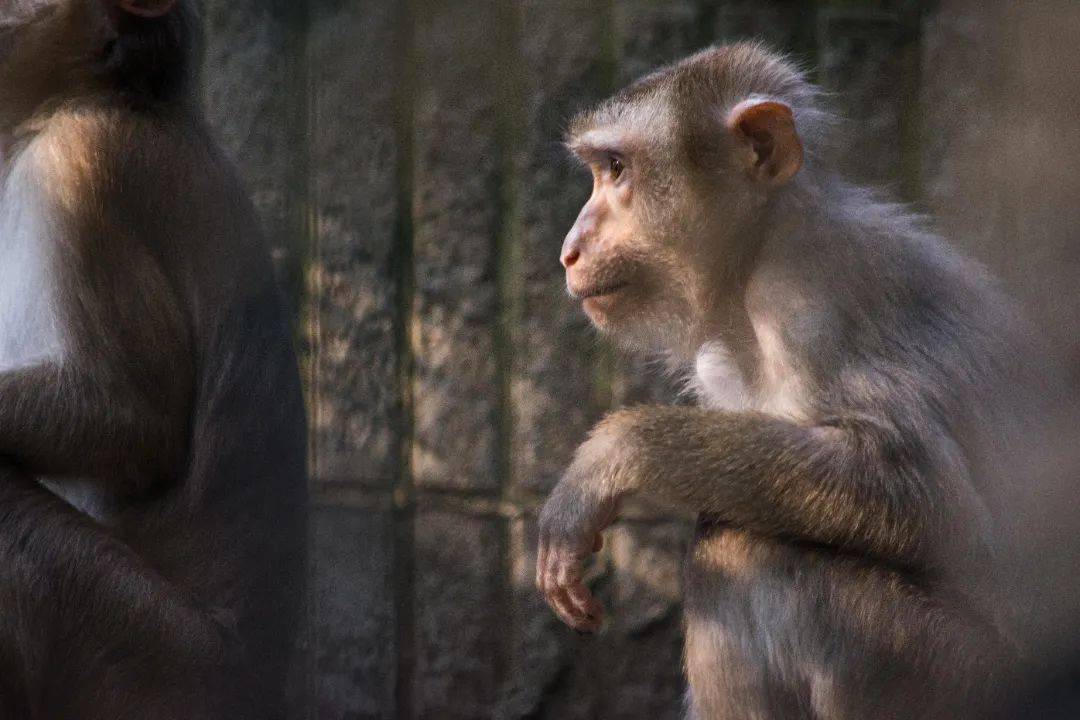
(615, 166)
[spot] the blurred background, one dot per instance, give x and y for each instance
(405, 156)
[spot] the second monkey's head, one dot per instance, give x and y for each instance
(59, 52)
(684, 162)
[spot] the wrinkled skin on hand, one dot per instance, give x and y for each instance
(574, 517)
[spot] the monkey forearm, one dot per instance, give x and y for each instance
(41, 536)
(836, 486)
(60, 420)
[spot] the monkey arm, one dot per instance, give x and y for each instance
(858, 483)
(92, 599)
(117, 405)
(63, 420)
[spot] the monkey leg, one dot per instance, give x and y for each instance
(88, 630)
(781, 632)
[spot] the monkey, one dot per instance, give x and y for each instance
(859, 386)
(153, 473)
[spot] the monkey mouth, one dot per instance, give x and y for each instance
(597, 291)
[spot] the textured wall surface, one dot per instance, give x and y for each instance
(405, 157)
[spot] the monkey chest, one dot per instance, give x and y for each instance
(30, 327)
(718, 381)
(30, 330)
(720, 384)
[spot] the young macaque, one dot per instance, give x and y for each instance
(855, 380)
(152, 442)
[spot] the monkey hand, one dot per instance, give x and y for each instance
(571, 524)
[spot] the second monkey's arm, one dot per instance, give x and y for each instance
(58, 419)
(114, 407)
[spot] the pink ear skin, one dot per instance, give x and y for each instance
(146, 8)
(768, 129)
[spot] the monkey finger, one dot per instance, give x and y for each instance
(565, 609)
(586, 605)
(598, 543)
(558, 602)
(541, 567)
(547, 566)
(567, 570)
(548, 576)
(556, 571)
(565, 583)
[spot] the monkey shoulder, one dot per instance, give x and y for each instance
(163, 185)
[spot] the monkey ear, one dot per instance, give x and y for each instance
(146, 8)
(767, 130)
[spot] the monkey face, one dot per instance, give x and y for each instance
(634, 257)
(606, 252)
(681, 169)
(590, 252)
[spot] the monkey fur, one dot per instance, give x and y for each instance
(859, 388)
(152, 432)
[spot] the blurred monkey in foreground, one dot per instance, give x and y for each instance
(859, 388)
(152, 471)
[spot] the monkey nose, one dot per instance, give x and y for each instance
(570, 257)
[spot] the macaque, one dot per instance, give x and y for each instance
(858, 387)
(152, 439)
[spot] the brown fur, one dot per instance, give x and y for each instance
(176, 401)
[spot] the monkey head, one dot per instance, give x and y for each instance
(54, 51)
(683, 163)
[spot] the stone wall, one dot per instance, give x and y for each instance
(406, 158)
